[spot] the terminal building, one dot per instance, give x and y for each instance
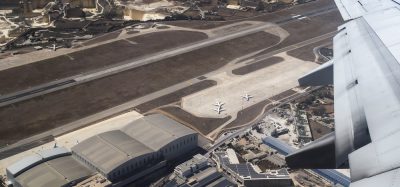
(122, 156)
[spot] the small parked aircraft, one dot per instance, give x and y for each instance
(219, 108)
(247, 97)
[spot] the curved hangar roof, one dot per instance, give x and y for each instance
(36, 159)
(147, 135)
(53, 167)
(56, 172)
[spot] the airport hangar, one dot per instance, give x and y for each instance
(122, 155)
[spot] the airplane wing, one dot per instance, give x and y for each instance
(366, 78)
(351, 9)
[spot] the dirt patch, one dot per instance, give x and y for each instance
(203, 125)
(318, 130)
(102, 38)
(175, 96)
(34, 74)
(329, 108)
(249, 114)
(265, 165)
(257, 65)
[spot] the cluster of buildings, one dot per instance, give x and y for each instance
(249, 175)
(81, 17)
(302, 127)
(242, 161)
(298, 123)
(46, 11)
(140, 150)
(117, 157)
(251, 149)
(224, 169)
(197, 172)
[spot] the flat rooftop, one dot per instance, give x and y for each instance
(246, 170)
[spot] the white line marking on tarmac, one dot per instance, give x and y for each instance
(70, 57)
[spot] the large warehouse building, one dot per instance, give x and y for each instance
(121, 156)
(138, 146)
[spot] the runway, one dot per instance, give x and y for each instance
(79, 79)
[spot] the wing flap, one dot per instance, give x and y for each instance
(381, 156)
(388, 179)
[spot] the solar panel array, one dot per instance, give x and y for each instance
(333, 175)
